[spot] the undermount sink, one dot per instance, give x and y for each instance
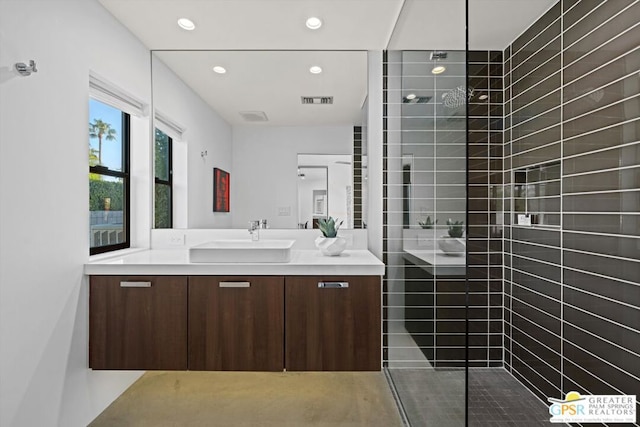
(269, 250)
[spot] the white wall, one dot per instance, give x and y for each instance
(206, 131)
(374, 153)
(44, 220)
(265, 161)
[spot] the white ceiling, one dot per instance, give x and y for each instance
(274, 82)
(259, 24)
(349, 25)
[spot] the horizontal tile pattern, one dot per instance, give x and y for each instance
(612, 223)
(572, 294)
(432, 140)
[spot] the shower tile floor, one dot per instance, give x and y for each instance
(435, 398)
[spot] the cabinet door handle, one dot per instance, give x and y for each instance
(235, 284)
(333, 285)
(135, 284)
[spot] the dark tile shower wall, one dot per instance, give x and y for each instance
(572, 291)
(484, 250)
(357, 177)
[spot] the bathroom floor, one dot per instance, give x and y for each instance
(436, 398)
(250, 399)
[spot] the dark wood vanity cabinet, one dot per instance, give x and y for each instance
(236, 323)
(332, 323)
(138, 322)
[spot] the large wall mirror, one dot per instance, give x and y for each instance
(270, 119)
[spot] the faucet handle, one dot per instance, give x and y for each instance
(254, 230)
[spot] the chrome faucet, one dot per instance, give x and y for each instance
(254, 230)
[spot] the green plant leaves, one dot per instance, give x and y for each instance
(456, 228)
(427, 224)
(328, 226)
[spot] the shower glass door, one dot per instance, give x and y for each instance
(425, 250)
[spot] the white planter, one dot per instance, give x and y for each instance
(331, 246)
(452, 246)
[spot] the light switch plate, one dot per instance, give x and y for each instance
(176, 239)
(348, 238)
(284, 211)
(424, 241)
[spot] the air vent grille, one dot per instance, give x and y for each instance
(416, 100)
(254, 116)
(317, 100)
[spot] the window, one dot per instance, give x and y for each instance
(109, 130)
(163, 180)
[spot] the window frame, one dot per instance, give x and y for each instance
(126, 183)
(168, 183)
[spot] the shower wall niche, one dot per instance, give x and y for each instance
(536, 195)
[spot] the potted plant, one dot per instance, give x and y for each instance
(427, 224)
(330, 243)
(453, 244)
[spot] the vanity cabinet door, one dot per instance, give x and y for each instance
(333, 323)
(236, 323)
(138, 322)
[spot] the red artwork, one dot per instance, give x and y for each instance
(220, 190)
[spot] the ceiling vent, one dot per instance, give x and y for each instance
(437, 54)
(254, 116)
(416, 100)
(317, 100)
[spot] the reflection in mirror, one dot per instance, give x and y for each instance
(162, 182)
(433, 154)
(253, 121)
(325, 188)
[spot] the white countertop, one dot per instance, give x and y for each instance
(436, 262)
(176, 262)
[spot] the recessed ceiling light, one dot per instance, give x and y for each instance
(186, 24)
(220, 70)
(314, 23)
(411, 96)
(439, 69)
(315, 69)
(483, 97)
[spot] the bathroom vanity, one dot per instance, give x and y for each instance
(155, 309)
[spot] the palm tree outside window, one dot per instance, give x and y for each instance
(101, 130)
(108, 178)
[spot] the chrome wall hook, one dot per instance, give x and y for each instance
(26, 70)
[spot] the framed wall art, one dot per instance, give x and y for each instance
(220, 190)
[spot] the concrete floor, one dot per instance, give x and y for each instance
(241, 399)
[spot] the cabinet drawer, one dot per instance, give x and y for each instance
(236, 323)
(333, 323)
(138, 322)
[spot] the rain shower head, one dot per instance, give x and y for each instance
(457, 97)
